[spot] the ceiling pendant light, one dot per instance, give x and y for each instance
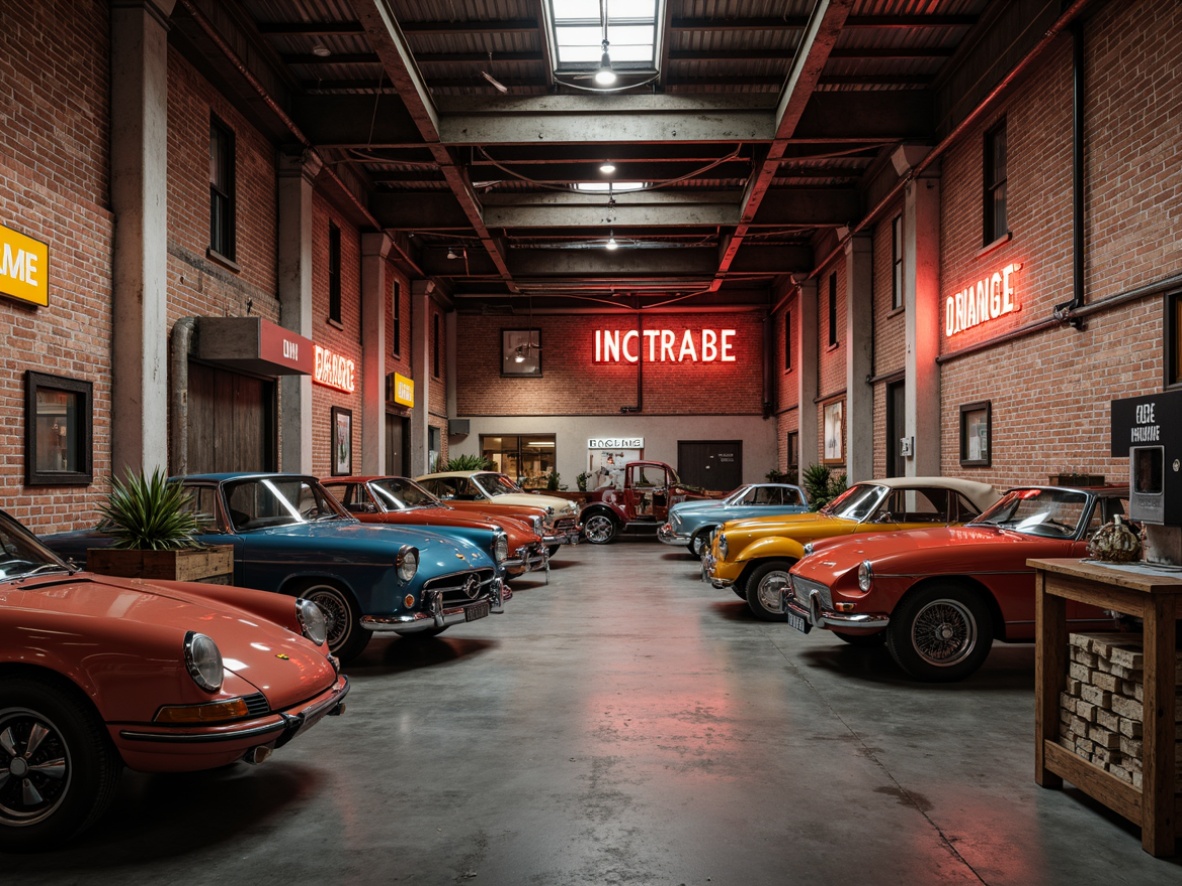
(608, 167)
(611, 242)
(605, 76)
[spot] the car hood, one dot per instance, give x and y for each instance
(696, 506)
(562, 507)
(372, 538)
(943, 550)
(99, 616)
(808, 525)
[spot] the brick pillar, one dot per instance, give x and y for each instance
(375, 294)
(859, 337)
(296, 174)
(139, 199)
(806, 332)
(420, 348)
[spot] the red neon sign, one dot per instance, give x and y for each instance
(334, 370)
(993, 296)
(665, 346)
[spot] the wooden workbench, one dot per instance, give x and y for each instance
(1156, 806)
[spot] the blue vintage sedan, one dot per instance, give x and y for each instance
(691, 522)
(292, 536)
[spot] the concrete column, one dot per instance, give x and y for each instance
(421, 306)
(859, 337)
(806, 332)
(921, 301)
(296, 174)
(375, 296)
(139, 199)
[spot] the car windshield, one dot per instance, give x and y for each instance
(856, 503)
(267, 502)
(402, 494)
(744, 495)
(21, 555)
(1052, 513)
(495, 484)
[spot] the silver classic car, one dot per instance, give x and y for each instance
(691, 522)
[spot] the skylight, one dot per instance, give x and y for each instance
(576, 35)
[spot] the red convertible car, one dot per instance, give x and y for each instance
(97, 673)
(940, 597)
(402, 501)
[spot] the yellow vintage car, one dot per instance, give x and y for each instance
(752, 557)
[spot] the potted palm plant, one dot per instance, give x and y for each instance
(153, 525)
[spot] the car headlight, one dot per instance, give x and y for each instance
(865, 575)
(311, 620)
(723, 548)
(808, 548)
(500, 548)
(407, 562)
(539, 525)
(204, 661)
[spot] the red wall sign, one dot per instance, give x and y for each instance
(665, 346)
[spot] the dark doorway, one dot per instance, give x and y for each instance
(711, 464)
(896, 426)
(397, 453)
(231, 421)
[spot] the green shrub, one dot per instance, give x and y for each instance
(149, 513)
(468, 463)
(822, 487)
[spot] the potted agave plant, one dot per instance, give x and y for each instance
(153, 525)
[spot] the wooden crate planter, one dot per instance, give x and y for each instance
(213, 564)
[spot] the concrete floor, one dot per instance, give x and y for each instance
(627, 724)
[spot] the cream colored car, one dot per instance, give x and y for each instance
(477, 489)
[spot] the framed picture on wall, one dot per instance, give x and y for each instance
(834, 427)
(521, 352)
(976, 427)
(342, 441)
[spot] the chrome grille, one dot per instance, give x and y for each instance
(802, 588)
(459, 588)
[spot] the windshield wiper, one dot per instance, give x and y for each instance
(44, 567)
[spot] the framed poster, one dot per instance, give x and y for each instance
(342, 441)
(834, 428)
(976, 427)
(521, 352)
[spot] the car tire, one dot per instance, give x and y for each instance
(61, 768)
(763, 589)
(862, 640)
(699, 540)
(346, 637)
(940, 633)
(600, 529)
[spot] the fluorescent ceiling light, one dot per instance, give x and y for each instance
(605, 187)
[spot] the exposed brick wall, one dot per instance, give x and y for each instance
(54, 187)
(831, 375)
(890, 334)
(1050, 391)
(573, 384)
(343, 339)
(437, 403)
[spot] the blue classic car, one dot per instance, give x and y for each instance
(691, 522)
(292, 536)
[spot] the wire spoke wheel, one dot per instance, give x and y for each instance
(944, 633)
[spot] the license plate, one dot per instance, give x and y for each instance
(480, 610)
(799, 623)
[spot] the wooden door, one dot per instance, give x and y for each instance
(231, 421)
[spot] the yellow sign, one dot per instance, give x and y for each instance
(24, 267)
(402, 389)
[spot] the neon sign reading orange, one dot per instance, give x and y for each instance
(334, 371)
(991, 297)
(665, 346)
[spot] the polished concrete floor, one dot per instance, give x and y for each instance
(627, 724)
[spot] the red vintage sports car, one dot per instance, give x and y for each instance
(940, 597)
(97, 673)
(402, 501)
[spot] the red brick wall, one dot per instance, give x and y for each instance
(831, 374)
(54, 187)
(573, 384)
(890, 333)
(343, 339)
(1050, 391)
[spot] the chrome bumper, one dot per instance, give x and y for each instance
(564, 538)
(669, 537)
(707, 566)
(828, 618)
(434, 615)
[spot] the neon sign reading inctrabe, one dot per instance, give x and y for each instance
(665, 346)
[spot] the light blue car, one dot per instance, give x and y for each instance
(691, 522)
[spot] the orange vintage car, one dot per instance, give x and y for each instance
(97, 673)
(402, 501)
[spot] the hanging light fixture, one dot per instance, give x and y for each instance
(607, 168)
(451, 253)
(605, 76)
(611, 242)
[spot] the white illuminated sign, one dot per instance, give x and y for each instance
(334, 370)
(615, 442)
(665, 346)
(990, 297)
